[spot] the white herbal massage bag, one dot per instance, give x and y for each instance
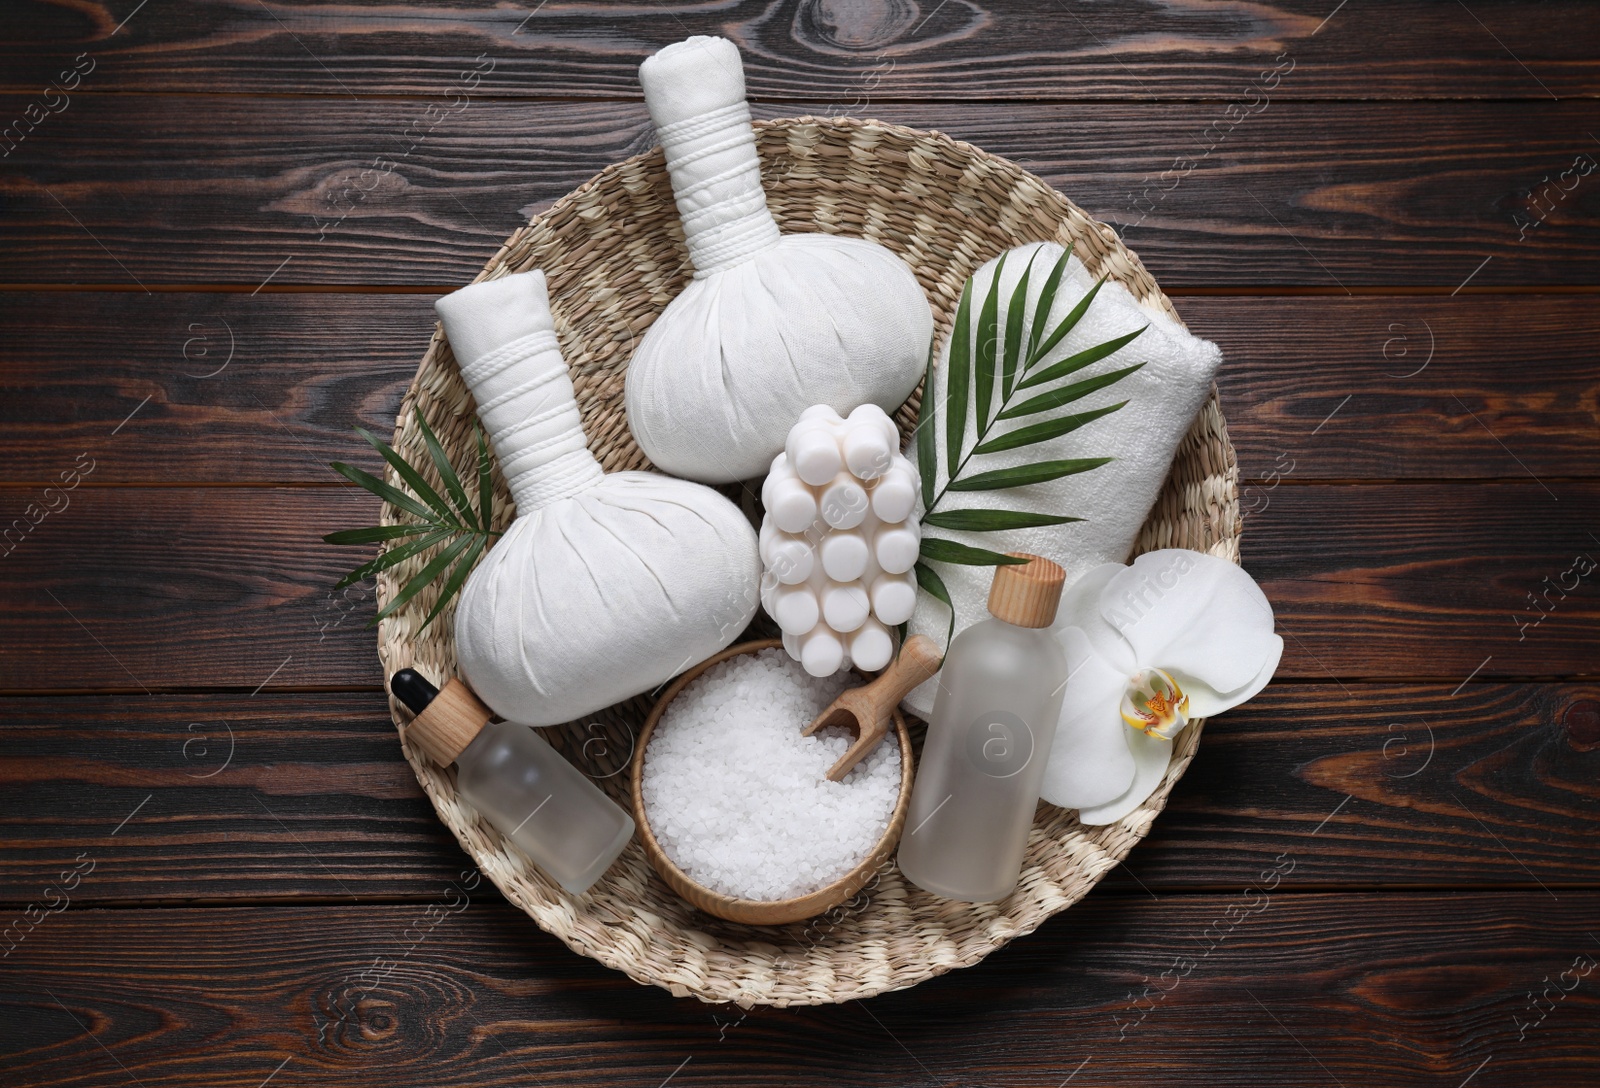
(605, 585)
(771, 323)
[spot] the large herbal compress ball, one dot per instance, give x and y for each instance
(605, 585)
(771, 324)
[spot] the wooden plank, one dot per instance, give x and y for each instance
(1388, 785)
(207, 388)
(227, 798)
(217, 798)
(1421, 581)
(145, 190)
(1431, 581)
(1405, 387)
(1251, 988)
(260, 390)
(851, 53)
(123, 577)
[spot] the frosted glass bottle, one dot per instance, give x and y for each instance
(988, 742)
(516, 781)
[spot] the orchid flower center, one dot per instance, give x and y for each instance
(1154, 704)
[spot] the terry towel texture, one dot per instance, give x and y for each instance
(1114, 500)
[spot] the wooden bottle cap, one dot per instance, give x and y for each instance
(448, 724)
(1027, 594)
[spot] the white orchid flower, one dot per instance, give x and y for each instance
(1177, 635)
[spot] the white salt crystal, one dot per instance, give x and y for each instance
(740, 801)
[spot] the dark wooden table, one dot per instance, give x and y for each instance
(1385, 213)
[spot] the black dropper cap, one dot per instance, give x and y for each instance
(412, 689)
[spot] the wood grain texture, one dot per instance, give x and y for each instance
(848, 51)
(1255, 987)
(267, 390)
(1387, 785)
(223, 798)
(1421, 580)
(1437, 581)
(241, 579)
(207, 388)
(145, 190)
(1404, 387)
(271, 900)
(237, 799)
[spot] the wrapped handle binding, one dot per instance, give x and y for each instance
(695, 92)
(504, 338)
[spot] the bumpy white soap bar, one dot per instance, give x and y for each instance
(836, 544)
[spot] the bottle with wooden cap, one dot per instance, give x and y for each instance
(988, 741)
(516, 781)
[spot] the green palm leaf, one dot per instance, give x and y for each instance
(1046, 402)
(392, 556)
(377, 533)
(1068, 323)
(485, 484)
(424, 576)
(458, 575)
(957, 376)
(1077, 362)
(948, 551)
(1022, 475)
(971, 374)
(990, 521)
(1040, 432)
(459, 527)
(988, 329)
(1047, 299)
(389, 494)
(412, 478)
(930, 582)
(1009, 363)
(927, 424)
(447, 473)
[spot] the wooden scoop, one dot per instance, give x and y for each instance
(865, 710)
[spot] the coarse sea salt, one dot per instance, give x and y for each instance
(740, 801)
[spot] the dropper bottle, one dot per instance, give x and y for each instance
(994, 717)
(516, 781)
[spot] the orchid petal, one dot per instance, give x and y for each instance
(1150, 756)
(1205, 702)
(1089, 759)
(1193, 614)
(1080, 608)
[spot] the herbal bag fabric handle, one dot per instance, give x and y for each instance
(1141, 437)
(605, 585)
(771, 323)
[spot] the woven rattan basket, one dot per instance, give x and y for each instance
(614, 254)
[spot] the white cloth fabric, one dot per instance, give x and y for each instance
(1114, 499)
(605, 585)
(771, 324)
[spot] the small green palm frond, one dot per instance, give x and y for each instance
(948, 551)
(933, 585)
(987, 370)
(464, 531)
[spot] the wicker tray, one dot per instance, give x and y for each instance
(614, 254)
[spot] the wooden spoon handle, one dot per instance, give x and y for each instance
(871, 705)
(918, 659)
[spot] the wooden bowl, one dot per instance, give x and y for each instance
(773, 912)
